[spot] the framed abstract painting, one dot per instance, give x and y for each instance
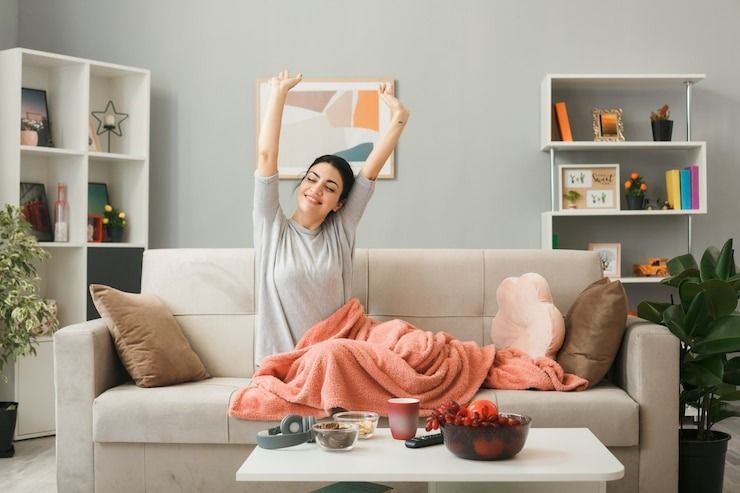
(345, 117)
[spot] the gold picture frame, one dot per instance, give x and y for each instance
(608, 125)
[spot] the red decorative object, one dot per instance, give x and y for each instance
(94, 228)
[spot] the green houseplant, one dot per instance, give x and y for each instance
(706, 321)
(22, 310)
(634, 191)
(114, 221)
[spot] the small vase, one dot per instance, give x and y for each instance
(662, 130)
(635, 203)
(29, 138)
(115, 235)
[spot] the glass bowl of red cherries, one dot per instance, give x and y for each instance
(479, 431)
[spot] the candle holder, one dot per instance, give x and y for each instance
(109, 121)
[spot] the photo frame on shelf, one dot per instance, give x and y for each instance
(589, 187)
(97, 198)
(93, 141)
(341, 116)
(611, 258)
(608, 125)
(35, 208)
(35, 115)
(94, 228)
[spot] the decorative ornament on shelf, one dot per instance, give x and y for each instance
(572, 197)
(114, 221)
(662, 124)
(634, 191)
(30, 132)
(655, 267)
(109, 121)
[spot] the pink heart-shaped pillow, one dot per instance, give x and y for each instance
(527, 319)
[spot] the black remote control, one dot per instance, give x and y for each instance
(424, 441)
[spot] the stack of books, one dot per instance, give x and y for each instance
(682, 187)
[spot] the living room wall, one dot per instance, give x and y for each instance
(8, 23)
(469, 170)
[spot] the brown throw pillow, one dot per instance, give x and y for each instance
(149, 341)
(594, 327)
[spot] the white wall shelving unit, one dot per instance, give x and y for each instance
(75, 87)
(644, 92)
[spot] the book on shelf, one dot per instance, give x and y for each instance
(673, 188)
(685, 175)
(682, 187)
(561, 117)
(694, 172)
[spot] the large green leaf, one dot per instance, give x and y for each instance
(730, 396)
(675, 319)
(723, 337)
(687, 290)
(705, 373)
(676, 280)
(725, 262)
(681, 263)
(708, 264)
(652, 311)
(732, 371)
(722, 410)
(697, 317)
(721, 298)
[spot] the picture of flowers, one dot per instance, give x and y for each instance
(345, 117)
(35, 209)
(589, 188)
(35, 115)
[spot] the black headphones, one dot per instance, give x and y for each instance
(293, 430)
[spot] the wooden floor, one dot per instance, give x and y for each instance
(32, 470)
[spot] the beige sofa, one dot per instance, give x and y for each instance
(115, 437)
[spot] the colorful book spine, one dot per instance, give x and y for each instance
(673, 188)
(694, 171)
(685, 189)
(561, 114)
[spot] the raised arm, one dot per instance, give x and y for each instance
(386, 144)
(269, 138)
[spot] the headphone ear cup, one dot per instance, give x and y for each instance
(293, 430)
(292, 423)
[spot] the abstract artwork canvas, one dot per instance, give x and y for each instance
(345, 117)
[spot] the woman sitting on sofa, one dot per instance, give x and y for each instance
(304, 263)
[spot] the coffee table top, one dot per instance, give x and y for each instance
(550, 454)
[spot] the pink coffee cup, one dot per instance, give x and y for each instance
(403, 417)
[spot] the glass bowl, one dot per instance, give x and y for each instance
(335, 436)
(366, 421)
(497, 441)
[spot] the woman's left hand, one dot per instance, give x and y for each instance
(390, 100)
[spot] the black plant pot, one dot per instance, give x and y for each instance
(115, 235)
(701, 464)
(7, 428)
(635, 203)
(662, 130)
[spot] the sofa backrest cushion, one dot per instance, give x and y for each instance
(212, 294)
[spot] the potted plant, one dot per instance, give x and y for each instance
(572, 197)
(22, 310)
(114, 221)
(707, 323)
(661, 123)
(634, 190)
(29, 132)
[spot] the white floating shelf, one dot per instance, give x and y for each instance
(641, 280)
(584, 212)
(636, 145)
(49, 151)
(109, 156)
(60, 244)
(115, 245)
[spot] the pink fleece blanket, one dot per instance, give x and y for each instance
(351, 361)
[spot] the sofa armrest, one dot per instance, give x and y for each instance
(647, 368)
(85, 365)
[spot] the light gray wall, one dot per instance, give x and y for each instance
(8, 24)
(470, 173)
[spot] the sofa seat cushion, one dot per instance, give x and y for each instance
(193, 412)
(606, 410)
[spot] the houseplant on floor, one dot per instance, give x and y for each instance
(707, 322)
(22, 310)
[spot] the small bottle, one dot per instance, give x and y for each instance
(61, 214)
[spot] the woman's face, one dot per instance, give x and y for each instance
(319, 192)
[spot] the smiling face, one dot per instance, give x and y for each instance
(319, 192)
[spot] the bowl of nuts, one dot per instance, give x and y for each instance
(366, 421)
(335, 436)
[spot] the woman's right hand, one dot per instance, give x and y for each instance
(283, 82)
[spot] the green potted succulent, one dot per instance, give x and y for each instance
(706, 321)
(572, 197)
(22, 310)
(662, 124)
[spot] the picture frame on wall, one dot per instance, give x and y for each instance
(35, 209)
(341, 116)
(589, 188)
(35, 115)
(611, 258)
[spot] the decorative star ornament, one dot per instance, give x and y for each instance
(102, 118)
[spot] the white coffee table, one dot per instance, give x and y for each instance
(554, 460)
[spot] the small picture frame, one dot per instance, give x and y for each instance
(611, 258)
(97, 198)
(589, 188)
(35, 115)
(93, 141)
(608, 125)
(35, 208)
(94, 228)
